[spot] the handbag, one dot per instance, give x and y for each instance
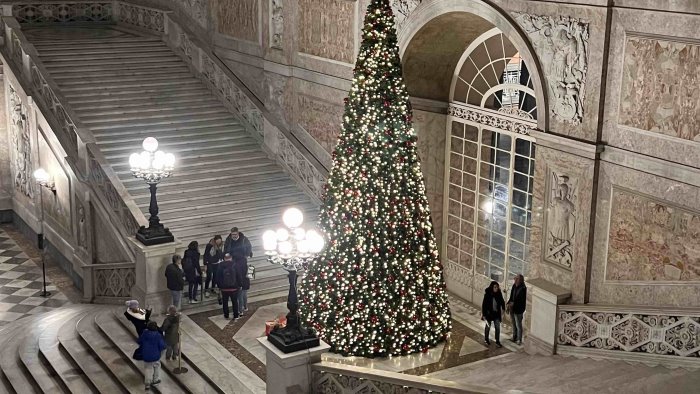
(138, 354)
(251, 272)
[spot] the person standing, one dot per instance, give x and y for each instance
(193, 272)
(171, 331)
(175, 279)
(152, 346)
(491, 309)
(213, 255)
(241, 265)
(229, 281)
(516, 306)
(238, 244)
(137, 316)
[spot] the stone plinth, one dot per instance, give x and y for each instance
(543, 323)
(150, 288)
(285, 371)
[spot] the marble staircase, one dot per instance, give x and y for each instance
(125, 88)
(88, 349)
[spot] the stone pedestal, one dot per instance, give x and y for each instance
(285, 371)
(543, 322)
(151, 288)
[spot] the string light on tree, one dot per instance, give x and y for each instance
(378, 287)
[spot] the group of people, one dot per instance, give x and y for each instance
(224, 267)
(153, 339)
(494, 304)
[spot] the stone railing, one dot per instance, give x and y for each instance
(109, 282)
(655, 336)
(48, 12)
(328, 377)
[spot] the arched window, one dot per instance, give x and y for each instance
(491, 160)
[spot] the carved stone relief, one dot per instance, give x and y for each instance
(321, 119)
(197, 9)
(82, 225)
(561, 220)
(561, 44)
(651, 240)
(276, 88)
(402, 10)
(276, 24)
(326, 28)
(660, 87)
(238, 19)
(22, 148)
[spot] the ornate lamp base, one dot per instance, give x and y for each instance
(294, 346)
(154, 235)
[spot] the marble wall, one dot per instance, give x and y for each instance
(239, 19)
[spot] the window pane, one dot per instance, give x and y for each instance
(504, 141)
(516, 249)
(517, 232)
(498, 242)
(503, 159)
(519, 199)
(520, 216)
(470, 149)
(522, 147)
(471, 133)
(521, 181)
(522, 164)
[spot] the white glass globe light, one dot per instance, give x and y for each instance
(315, 240)
(303, 247)
(135, 161)
(299, 234)
(41, 176)
(269, 241)
(293, 218)
(150, 144)
(145, 160)
(158, 163)
(282, 235)
(169, 160)
(285, 248)
(159, 155)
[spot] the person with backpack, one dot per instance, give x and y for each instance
(193, 272)
(238, 244)
(212, 257)
(241, 265)
(175, 279)
(171, 331)
(229, 280)
(152, 344)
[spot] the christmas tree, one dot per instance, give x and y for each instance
(378, 288)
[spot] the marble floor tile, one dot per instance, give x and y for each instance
(10, 316)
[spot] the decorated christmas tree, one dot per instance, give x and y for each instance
(378, 287)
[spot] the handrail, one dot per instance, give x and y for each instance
(630, 309)
(88, 163)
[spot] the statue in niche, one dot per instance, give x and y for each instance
(22, 144)
(82, 227)
(561, 221)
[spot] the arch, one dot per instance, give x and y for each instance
(472, 14)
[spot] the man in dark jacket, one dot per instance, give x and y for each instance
(491, 309)
(229, 281)
(516, 307)
(237, 244)
(241, 265)
(212, 257)
(152, 345)
(176, 280)
(193, 273)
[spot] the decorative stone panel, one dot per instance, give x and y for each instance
(20, 138)
(197, 9)
(561, 218)
(561, 44)
(321, 119)
(326, 28)
(239, 19)
(147, 18)
(627, 331)
(402, 10)
(63, 12)
(660, 82)
(276, 24)
(114, 282)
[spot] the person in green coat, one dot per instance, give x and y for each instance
(171, 331)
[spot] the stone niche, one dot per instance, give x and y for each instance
(647, 240)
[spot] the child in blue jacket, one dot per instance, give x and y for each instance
(152, 345)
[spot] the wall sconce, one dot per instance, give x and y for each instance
(44, 179)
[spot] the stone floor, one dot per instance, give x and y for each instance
(21, 279)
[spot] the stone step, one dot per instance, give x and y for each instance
(50, 52)
(69, 76)
(166, 130)
(118, 86)
(80, 69)
(150, 118)
(100, 377)
(156, 52)
(125, 372)
(234, 214)
(124, 338)
(238, 159)
(147, 109)
(72, 378)
(146, 103)
(241, 165)
(211, 176)
(97, 42)
(118, 127)
(98, 81)
(231, 208)
(278, 179)
(167, 142)
(121, 62)
(14, 371)
(137, 90)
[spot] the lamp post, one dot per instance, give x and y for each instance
(152, 165)
(44, 180)
(292, 248)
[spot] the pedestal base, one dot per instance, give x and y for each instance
(294, 346)
(285, 371)
(150, 236)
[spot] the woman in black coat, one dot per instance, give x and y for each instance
(137, 316)
(491, 309)
(193, 272)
